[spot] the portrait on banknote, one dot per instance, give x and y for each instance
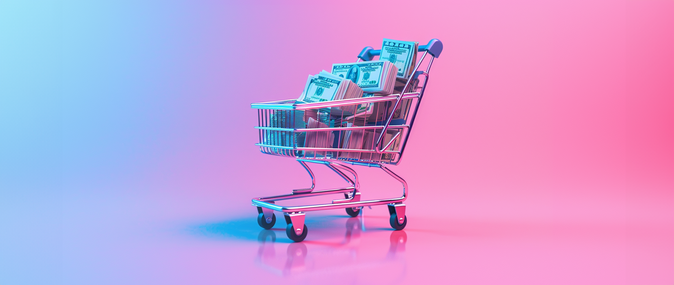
(352, 74)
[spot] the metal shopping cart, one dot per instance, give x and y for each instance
(369, 131)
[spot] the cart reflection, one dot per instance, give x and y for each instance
(341, 260)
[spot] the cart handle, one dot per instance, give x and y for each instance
(434, 47)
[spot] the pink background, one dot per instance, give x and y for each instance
(543, 152)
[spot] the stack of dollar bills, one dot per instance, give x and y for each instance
(329, 87)
(352, 140)
(365, 140)
(402, 54)
(377, 77)
(320, 139)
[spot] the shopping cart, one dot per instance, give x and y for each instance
(369, 131)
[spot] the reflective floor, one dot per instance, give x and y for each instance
(121, 241)
(363, 250)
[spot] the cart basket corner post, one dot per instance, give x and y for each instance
(370, 131)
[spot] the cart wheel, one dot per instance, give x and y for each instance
(353, 212)
(263, 222)
(394, 222)
(290, 231)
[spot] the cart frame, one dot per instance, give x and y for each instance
(281, 140)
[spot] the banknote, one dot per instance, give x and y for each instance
(401, 82)
(326, 86)
(372, 76)
(318, 139)
(365, 74)
(352, 140)
(401, 53)
(284, 119)
(320, 88)
(390, 134)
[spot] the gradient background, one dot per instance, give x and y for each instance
(543, 153)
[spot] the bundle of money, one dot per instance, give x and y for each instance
(368, 143)
(393, 147)
(369, 140)
(377, 77)
(352, 140)
(326, 86)
(401, 82)
(366, 140)
(283, 119)
(402, 54)
(320, 139)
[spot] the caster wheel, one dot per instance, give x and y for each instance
(266, 223)
(353, 212)
(394, 222)
(290, 232)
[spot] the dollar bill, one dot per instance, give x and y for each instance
(365, 74)
(326, 86)
(320, 88)
(318, 139)
(402, 54)
(372, 76)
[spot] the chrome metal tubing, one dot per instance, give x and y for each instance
(354, 182)
(325, 149)
(313, 179)
(290, 104)
(303, 195)
(268, 202)
(400, 179)
(390, 117)
(331, 129)
(341, 174)
(320, 207)
(416, 108)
